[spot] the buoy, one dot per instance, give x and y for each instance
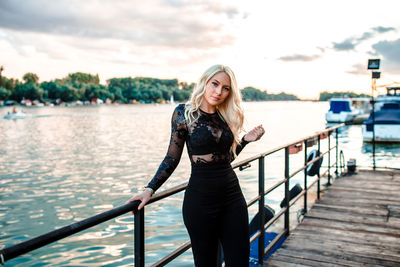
(296, 189)
(255, 222)
(313, 168)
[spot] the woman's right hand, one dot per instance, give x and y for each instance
(144, 197)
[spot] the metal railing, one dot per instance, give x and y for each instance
(139, 222)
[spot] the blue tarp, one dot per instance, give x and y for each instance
(268, 238)
(386, 116)
(337, 106)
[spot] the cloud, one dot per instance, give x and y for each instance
(350, 43)
(358, 69)
(381, 29)
(346, 45)
(172, 23)
(297, 57)
(390, 53)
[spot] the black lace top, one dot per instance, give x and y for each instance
(208, 141)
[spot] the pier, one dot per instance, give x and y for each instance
(356, 222)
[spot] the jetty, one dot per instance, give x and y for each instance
(356, 222)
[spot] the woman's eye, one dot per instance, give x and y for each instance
(226, 88)
(214, 83)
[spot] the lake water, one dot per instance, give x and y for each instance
(60, 165)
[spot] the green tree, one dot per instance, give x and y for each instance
(78, 78)
(28, 91)
(4, 93)
(69, 93)
(53, 89)
(253, 94)
(97, 91)
(30, 78)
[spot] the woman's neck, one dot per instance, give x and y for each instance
(208, 108)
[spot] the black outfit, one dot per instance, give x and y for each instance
(214, 207)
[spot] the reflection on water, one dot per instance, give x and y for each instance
(60, 165)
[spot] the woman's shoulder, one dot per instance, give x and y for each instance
(181, 107)
(179, 113)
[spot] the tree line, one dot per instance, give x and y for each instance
(325, 96)
(85, 87)
(253, 94)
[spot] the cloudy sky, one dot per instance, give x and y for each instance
(300, 47)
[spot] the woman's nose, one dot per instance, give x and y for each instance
(218, 90)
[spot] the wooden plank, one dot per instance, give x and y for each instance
(369, 192)
(378, 253)
(393, 249)
(380, 211)
(352, 218)
(341, 233)
(278, 263)
(338, 260)
(303, 261)
(346, 214)
(350, 202)
(364, 228)
(357, 198)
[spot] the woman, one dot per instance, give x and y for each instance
(214, 207)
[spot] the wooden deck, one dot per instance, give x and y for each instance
(355, 223)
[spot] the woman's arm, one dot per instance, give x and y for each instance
(251, 136)
(171, 159)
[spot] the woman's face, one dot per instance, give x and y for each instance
(217, 89)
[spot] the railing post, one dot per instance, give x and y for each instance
(261, 190)
(373, 132)
(318, 174)
(337, 152)
(287, 196)
(305, 177)
(139, 238)
(329, 158)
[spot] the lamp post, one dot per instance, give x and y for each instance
(373, 64)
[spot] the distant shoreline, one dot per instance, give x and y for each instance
(73, 104)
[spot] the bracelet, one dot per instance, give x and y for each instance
(151, 190)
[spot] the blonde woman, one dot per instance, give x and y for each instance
(214, 207)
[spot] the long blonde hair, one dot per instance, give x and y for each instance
(230, 110)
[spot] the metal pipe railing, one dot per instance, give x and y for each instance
(139, 227)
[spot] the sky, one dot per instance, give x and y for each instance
(299, 47)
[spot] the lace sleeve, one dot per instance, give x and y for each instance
(240, 147)
(175, 148)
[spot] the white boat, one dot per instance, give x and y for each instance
(341, 110)
(15, 116)
(387, 119)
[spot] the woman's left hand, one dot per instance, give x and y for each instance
(254, 134)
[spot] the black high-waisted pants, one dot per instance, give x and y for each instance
(214, 209)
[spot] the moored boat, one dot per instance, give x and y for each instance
(340, 110)
(386, 120)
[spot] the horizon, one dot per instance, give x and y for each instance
(269, 46)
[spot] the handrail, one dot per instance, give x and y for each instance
(42, 240)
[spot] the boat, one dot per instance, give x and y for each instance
(341, 110)
(363, 107)
(387, 119)
(15, 115)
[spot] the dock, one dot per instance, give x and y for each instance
(356, 222)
